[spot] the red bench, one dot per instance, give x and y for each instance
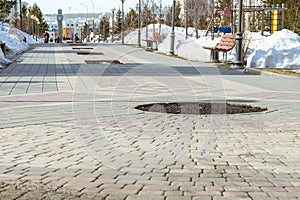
(226, 44)
(153, 39)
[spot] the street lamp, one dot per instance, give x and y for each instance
(239, 37)
(113, 24)
(36, 23)
(172, 33)
(38, 28)
(21, 21)
(122, 32)
(185, 19)
(28, 28)
(160, 5)
(139, 24)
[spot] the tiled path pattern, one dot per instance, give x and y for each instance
(69, 130)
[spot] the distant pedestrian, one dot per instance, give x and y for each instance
(76, 38)
(46, 37)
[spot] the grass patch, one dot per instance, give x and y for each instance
(287, 72)
(224, 66)
(174, 56)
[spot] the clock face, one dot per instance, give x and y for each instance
(59, 17)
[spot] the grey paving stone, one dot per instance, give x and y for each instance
(72, 128)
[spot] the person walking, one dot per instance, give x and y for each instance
(46, 37)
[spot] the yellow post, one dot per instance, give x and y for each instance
(274, 27)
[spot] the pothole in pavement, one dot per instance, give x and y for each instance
(76, 44)
(196, 108)
(102, 61)
(78, 48)
(89, 53)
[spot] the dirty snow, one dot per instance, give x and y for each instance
(280, 50)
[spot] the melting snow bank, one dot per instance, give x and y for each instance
(280, 50)
(15, 41)
(190, 48)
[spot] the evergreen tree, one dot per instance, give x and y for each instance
(104, 26)
(24, 18)
(15, 19)
(177, 21)
(146, 16)
(5, 8)
(84, 31)
(118, 23)
(42, 25)
(131, 20)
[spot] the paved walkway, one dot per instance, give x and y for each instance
(69, 130)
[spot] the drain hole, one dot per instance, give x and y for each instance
(78, 48)
(77, 44)
(88, 53)
(196, 108)
(102, 61)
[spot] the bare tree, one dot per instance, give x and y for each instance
(197, 13)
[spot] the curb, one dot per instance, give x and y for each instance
(253, 71)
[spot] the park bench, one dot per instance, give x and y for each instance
(226, 44)
(153, 39)
(3, 48)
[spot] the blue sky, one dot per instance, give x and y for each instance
(75, 6)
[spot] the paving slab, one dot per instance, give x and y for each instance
(70, 130)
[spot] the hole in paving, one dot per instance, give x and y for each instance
(197, 108)
(102, 61)
(88, 53)
(77, 44)
(78, 48)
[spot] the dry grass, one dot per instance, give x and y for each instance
(226, 66)
(287, 72)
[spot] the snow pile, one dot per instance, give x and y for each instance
(280, 50)
(190, 49)
(15, 41)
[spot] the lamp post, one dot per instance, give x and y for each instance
(239, 37)
(172, 33)
(139, 24)
(113, 24)
(37, 28)
(185, 19)
(21, 20)
(33, 25)
(28, 25)
(160, 6)
(122, 32)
